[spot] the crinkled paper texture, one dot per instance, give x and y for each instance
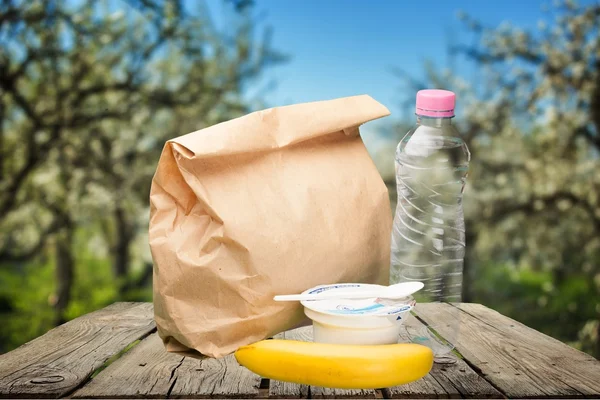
(274, 202)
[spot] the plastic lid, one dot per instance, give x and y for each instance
(435, 103)
(356, 307)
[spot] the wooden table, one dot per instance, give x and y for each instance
(116, 353)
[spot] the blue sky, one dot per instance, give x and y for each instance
(346, 47)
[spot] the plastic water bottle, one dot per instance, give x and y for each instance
(428, 237)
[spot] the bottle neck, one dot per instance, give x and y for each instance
(434, 121)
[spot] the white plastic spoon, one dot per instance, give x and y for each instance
(397, 291)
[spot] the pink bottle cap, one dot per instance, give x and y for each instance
(435, 103)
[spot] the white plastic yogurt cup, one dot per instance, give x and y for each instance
(364, 321)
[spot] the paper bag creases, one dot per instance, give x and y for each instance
(274, 202)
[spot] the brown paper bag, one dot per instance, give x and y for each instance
(274, 202)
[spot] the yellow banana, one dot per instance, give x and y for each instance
(337, 365)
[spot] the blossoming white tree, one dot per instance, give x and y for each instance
(531, 118)
(90, 92)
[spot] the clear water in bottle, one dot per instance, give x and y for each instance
(428, 237)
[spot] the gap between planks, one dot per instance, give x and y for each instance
(149, 371)
(58, 362)
(515, 359)
(440, 383)
(456, 380)
(444, 381)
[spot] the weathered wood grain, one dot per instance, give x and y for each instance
(445, 380)
(459, 380)
(317, 392)
(149, 371)
(287, 390)
(517, 360)
(56, 363)
(214, 378)
(428, 386)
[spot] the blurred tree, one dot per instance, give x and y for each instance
(89, 93)
(531, 119)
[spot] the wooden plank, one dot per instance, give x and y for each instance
(317, 392)
(149, 371)
(287, 390)
(518, 360)
(214, 378)
(445, 380)
(291, 390)
(425, 388)
(460, 380)
(56, 363)
(145, 371)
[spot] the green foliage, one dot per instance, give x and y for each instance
(95, 284)
(532, 297)
(29, 289)
(89, 94)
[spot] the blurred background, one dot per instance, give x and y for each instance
(91, 90)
